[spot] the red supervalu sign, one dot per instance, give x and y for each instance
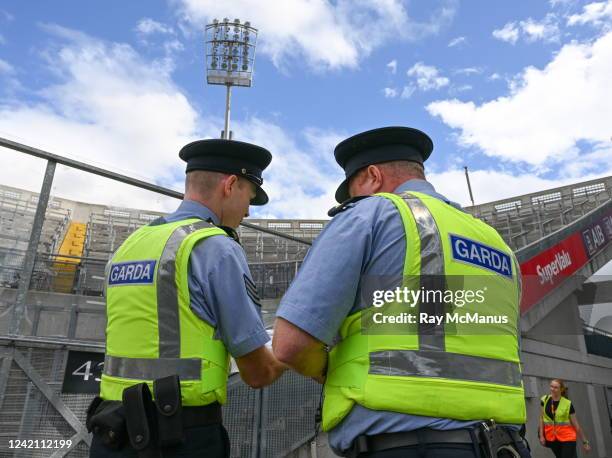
(548, 269)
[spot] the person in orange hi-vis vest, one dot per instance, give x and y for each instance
(558, 424)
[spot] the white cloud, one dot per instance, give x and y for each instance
(457, 41)
(427, 77)
(555, 3)
(112, 108)
(509, 33)
(301, 181)
(457, 89)
(328, 35)
(171, 46)
(392, 66)
(8, 79)
(597, 13)
(545, 30)
(469, 71)
(148, 26)
(390, 92)
(548, 111)
(8, 17)
(407, 91)
(155, 34)
(531, 30)
(494, 76)
(6, 68)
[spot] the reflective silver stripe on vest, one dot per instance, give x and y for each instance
(431, 336)
(153, 368)
(167, 294)
(423, 363)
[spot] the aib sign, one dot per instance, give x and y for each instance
(597, 235)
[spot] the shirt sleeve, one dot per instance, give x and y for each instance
(224, 284)
(324, 290)
(572, 410)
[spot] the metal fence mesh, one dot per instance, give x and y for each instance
(40, 420)
(240, 418)
(26, 413)
(288, 414)
(261, 423)
(12, 409)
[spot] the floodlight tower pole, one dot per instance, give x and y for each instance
(467, 178)
(228, 98)
(230, 59)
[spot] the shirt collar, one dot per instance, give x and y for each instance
(193, 209)
(418, 185)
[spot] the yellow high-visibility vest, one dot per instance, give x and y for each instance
(460, 370)
(151, 330)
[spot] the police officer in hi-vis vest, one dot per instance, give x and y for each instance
(180, 300)
(414, 365)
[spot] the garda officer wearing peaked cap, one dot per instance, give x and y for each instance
(390, 392)
(229, 156)
(172, 329)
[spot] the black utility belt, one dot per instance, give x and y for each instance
(148, 425)
(486, 435)
(193, 416)
(202, 415)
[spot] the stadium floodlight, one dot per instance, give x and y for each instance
(230, 57)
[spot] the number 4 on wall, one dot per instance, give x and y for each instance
(85, 370)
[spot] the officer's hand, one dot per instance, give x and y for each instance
(259, 368)
(542, 440)
(586, 447)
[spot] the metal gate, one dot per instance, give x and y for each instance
(271, 422)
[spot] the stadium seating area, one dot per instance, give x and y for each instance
(525, 219)
(105, 233)
(71, 258)
(16, 220)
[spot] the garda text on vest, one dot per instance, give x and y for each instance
(131, 273)
(480, 255)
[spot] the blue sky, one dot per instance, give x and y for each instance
(518, 91)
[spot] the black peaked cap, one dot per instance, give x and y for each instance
(380, 145)
(229, 156)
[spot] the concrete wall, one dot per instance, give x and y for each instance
(562, 326)
(56, 315)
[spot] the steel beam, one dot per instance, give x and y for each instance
(30, 259)
(51, 396)
(5, 370)
(88, 168)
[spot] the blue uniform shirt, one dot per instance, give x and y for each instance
(364, 241)
(219, 286)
